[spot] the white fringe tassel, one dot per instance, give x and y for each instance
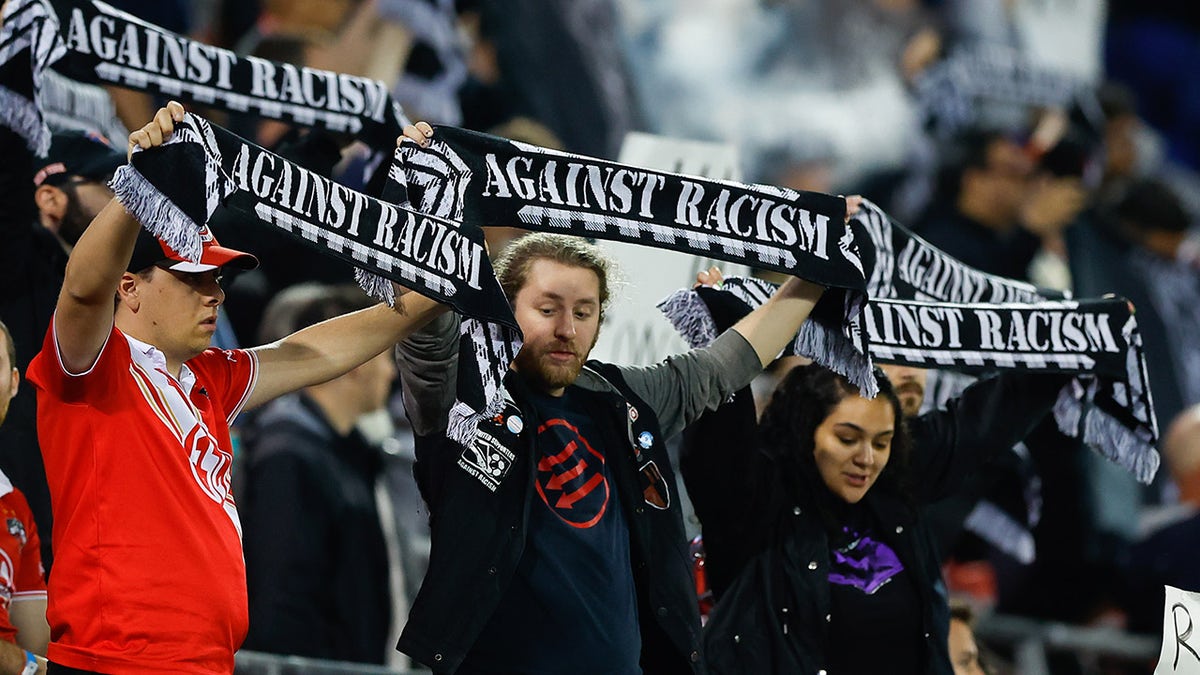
(375, 286)
(690, 316)
(1105, 435)
(835, 351)
(156, 213)
(22, 116)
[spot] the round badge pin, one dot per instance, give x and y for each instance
(645, 439)
(515, 424)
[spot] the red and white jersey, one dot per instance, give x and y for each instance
(148, 571)
(21, 575)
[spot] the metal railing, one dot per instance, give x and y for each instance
(1032, 640)
(258, 663)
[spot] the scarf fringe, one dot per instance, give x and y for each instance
(464, 420)
(1114, 440)
(1068, 408)
(1104, 434)
(22, 116)
(156, 213)
(375, 286)
(832, 349)
(690, 317)
(1002, 531)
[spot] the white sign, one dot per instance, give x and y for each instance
(1180, 653)
(635, 332)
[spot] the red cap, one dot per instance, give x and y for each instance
(150, 250)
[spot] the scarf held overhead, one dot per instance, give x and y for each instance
(92, 42)
(173, 190)
(932, 311)
(490, 181)
(486, 181)
(28, 44)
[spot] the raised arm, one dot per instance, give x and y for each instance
(769, 328)
(681, 388)
(332, 348)
(84, 313)
(988, 417)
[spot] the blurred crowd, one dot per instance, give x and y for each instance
(1076, 168)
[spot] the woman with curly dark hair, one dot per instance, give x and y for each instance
(815, 544)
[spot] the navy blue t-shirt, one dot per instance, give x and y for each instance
(571, 606)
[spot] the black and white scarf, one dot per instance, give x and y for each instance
(921, 292)
(932, 311)
(1174, 289)
(991, 85)
(92, 42)
(485, 181)
(173, 190)
(68, 104)
(29, 43)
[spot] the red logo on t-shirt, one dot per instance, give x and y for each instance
(210, 464)
(569, 480)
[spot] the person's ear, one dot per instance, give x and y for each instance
(127, 291)
(52, 203)
(16, 381)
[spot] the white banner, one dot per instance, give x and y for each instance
(1180, 653)
(634, 330)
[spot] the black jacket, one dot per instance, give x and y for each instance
(478, 522)
(770, 571)
(316, 562)
(478, 535)
(32, 262)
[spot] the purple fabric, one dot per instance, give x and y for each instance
(864, 563)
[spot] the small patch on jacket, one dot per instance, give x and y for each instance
(654, 487)
(486, 460)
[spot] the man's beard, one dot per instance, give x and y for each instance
(536, 367)
(74, 221)
(911, 396)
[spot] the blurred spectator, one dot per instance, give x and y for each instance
(326, 571)
(24, 632)
(996, 210)
(778, 71)
(135, 107)
(436, 65)
(1121, 128)
(993, 209)
(45, 205)
(799, 164)
(1131, 248)
(485, 98)
(1134, 243)
(964, 652)
(559, 63)
(1150, 46)
(1167, 552)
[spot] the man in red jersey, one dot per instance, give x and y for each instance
(133, 414)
